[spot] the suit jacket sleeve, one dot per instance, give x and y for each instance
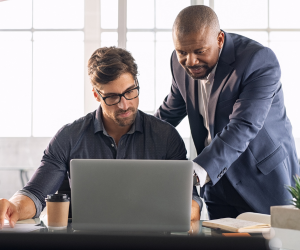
(173, 109)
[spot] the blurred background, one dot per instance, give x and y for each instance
(45, 45)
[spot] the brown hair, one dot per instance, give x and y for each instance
(109, 63)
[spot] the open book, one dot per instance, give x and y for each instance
(244, 223)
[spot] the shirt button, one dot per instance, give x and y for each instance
(112, 145)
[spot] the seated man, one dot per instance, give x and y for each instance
(116, 130)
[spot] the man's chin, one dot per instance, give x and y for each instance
(200, 76)
(196, 76)
(124, 122)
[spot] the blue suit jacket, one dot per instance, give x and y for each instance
(252, 137)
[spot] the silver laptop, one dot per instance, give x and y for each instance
(131, 195)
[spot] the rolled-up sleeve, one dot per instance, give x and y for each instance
(37, 202)
(49, 176)
(196, 197)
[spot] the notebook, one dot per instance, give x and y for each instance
(131, 195)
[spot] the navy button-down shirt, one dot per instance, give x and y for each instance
(86, 138)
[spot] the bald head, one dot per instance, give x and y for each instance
(194, 19)
(197, 40)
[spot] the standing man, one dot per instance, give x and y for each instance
(229, 86)
(116, 130)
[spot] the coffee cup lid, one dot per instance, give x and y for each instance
(57, 198)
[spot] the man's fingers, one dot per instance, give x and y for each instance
(13, 219)
(7, 209)
(4, 204)
(194, 227)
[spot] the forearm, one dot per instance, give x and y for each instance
(196, 205)
(24, 205)
(195, 213)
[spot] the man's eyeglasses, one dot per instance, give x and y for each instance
(116, 98)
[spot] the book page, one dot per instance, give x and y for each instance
(235, 225)
(260, 218)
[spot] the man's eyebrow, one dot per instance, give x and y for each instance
(202, 48)
(131, 87)
(180, 50)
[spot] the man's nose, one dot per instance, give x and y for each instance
(191, 60)
(123, 104)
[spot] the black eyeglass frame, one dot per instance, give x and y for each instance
(120, 95)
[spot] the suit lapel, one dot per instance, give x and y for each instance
(223, 72)
(192, 94)
(199, 132)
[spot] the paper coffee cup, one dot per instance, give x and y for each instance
(57, 211)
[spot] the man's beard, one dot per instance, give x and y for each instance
(126, 121)
(203, 77)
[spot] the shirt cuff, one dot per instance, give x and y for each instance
(201, 173)
(37, 203)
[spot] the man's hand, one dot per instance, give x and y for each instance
(8, 211)
(19, 207)
(194, 227)
(195, 214)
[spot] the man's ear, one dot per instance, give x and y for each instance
(221, 38)
(96, 95)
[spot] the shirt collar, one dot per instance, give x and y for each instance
(98, 123)
(211, 76)
(138, 123)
